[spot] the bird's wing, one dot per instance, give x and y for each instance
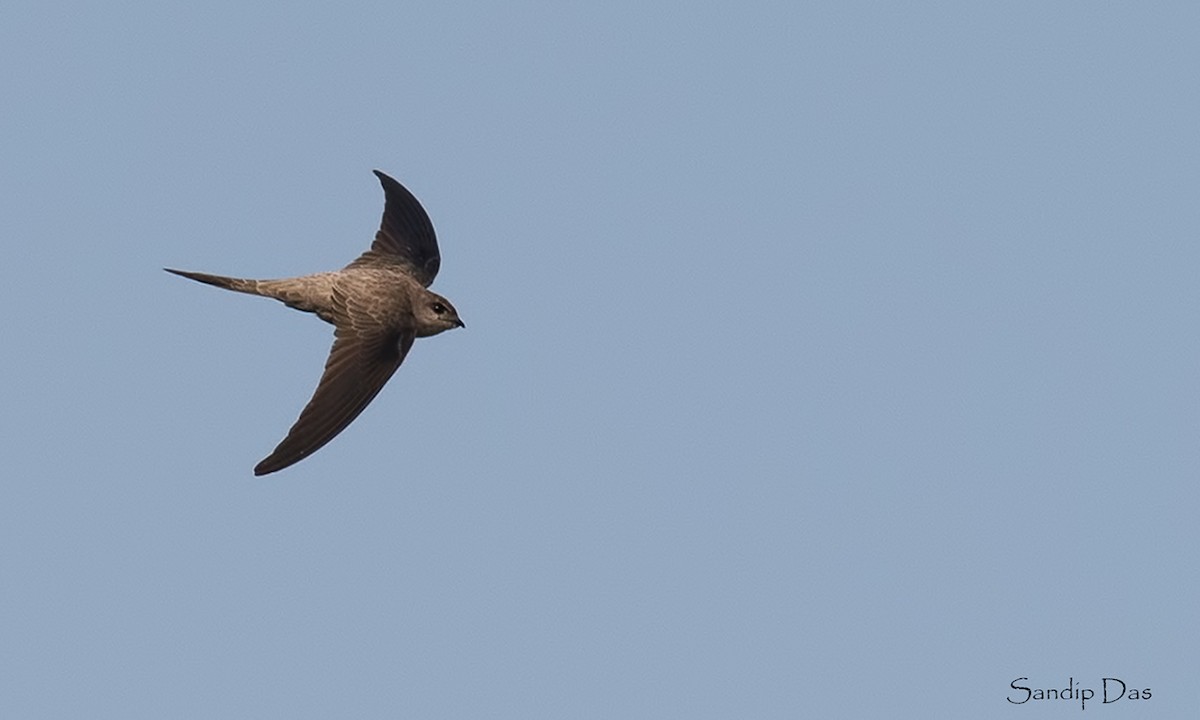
(363, 358)
(405, 235)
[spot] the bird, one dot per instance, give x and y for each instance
(378, 305)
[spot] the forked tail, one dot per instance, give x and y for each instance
(235, 284)
(310, 293)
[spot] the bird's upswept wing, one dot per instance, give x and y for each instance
(405, 235)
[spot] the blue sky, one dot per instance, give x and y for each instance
(822, 360)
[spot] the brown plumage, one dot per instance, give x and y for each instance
(378, 305)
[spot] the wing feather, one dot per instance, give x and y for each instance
(363, 358)
(405, 236)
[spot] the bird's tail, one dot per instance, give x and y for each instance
(310, 293)
(235, 284)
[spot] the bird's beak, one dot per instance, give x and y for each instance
(461, 324)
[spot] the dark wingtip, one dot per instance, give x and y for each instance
(389, 183)
(276, 462)
(266, 467)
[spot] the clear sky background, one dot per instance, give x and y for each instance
(830, 359)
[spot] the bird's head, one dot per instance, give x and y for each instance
(435, 314)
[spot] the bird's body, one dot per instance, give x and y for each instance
(378, 304)
(385, 294)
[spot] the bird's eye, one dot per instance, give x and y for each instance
(439, 308)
